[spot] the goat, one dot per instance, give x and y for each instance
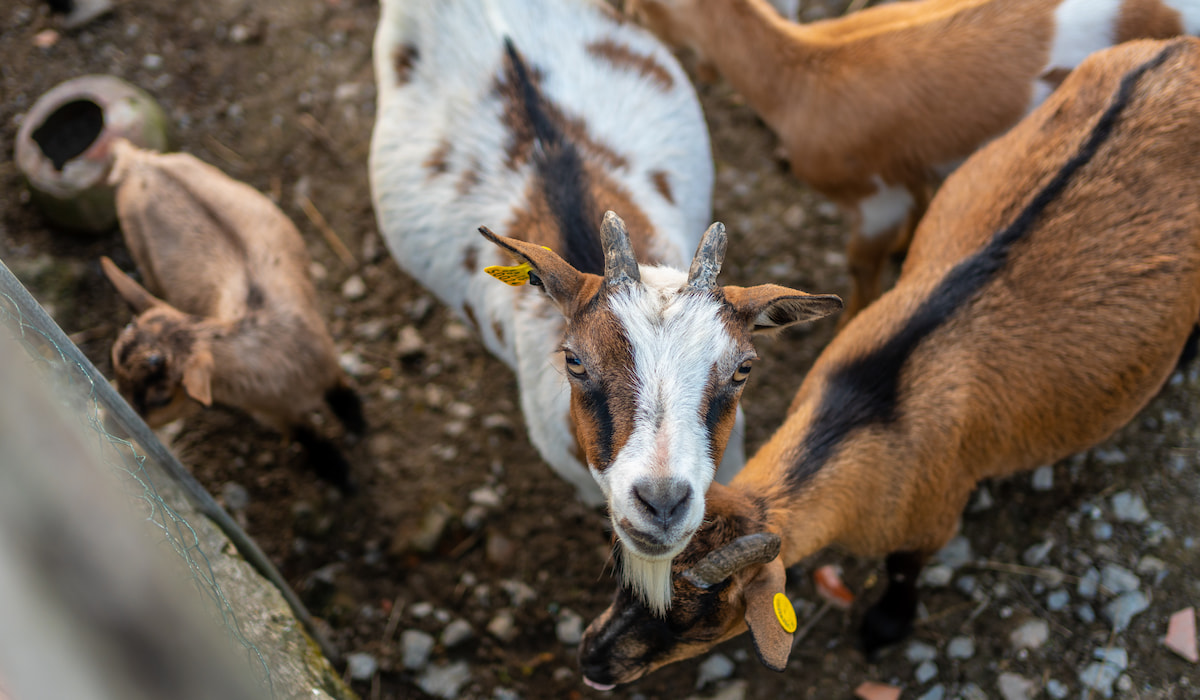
(874, 108)
(1047, 297)
(535, 117)
(237, 322)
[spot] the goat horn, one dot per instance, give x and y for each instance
(747, 550)
(702, 276)
(620, 266)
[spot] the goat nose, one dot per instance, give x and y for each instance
(664, 500)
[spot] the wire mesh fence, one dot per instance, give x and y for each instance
(40, 476)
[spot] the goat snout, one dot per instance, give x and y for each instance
(663, 501)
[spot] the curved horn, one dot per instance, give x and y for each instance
(702, 276)
(620, 266)
(747, 550)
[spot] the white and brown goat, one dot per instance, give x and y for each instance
(236, 320)
(874, 108)
(534, 118)
(1048, 295)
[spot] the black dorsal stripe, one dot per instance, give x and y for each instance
(564, 181)
(863, 391)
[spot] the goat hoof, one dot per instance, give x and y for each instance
(881, 628)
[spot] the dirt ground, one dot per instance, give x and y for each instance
(281, 95)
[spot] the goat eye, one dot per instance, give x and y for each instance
(574, 364)
(742, 372)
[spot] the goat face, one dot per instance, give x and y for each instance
(162, 368)
(725, 580)
(656, 360)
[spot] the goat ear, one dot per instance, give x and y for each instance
(542, 267)
(197, 376)
(770, 307)
(770, 615)
(132, 292)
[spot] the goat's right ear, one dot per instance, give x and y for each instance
(767, 307)
(770, 615)
(540, 267)
(197, 376)
(133, 293)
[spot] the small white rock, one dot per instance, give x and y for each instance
(1118, 579)
(354, 288)
(960, 648)
(1089, 584)
(926, 672)
(1036, 555)
(937, 692)
(1122, 609)
(409, 342)
(920, 651)
(983, 500)
(415, 648)
(937, 575)
(361, 666)
(956, 553)
(1043, 478)
(445, 681)
(456, 633)
(1129, 507)
(569, 628)
(1030, 635)
(421, 610)
(1057, 600)
(152, 61)
(503, 626)
(1014, 687)
(717, 667)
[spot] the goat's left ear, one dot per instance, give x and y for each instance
(770, 307)
(197, 376)
(770, 615)
(540, 267)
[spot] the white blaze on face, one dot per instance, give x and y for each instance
(678, 341)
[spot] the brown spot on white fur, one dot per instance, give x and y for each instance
(662, 183)
(625, 58)
(403, 59)
(470, 260)
(471, 320)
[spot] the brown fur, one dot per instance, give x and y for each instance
(893, 91)
(663, 184)
(237, 323)
(1065, 344)
(403, 58)
(621, 56)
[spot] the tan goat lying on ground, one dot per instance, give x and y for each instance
(1047, 297)
(237, 322)
(874, 108)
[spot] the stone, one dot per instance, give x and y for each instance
(1057, 689)
(970, 691)
(499, 549)
(920, 651)
(1043, 478)
(926, 672)
(445, 681)
(1121, 610)
(505, 694)
(420, 610)
(503, 626)
(456, 633)
(1057, 600)
(235, 496)
(415, 647)
(960, 648)
(1118, 579)
(1089, 584)
(1129, 507)
(717, 667)
(361, 666)
(1100, 678)
(967, 584)
(1036, 555)
(485, 496)
(1116, 657)
(983, 500)
(1085, 613)
(1032, 634)
(937, 575)
(409, 343)
(937, 692)
(956, 553)
(1014, 687)
(518, 592)
(569, 628)
(354, 288)
(1181, 635)
(1102, 531)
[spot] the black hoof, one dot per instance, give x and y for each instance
(882, 629)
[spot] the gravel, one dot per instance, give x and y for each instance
(1032, 634)
(415, 647)
(1043, 478)
(445, 681)
(937, 692)
(455, 633)
(1118, 579)
(960, 648)
(1057, 600)
(717, 667)
(1122, 609)
(920, 651)
(361, 666)
(926, 672)
(569, 628)
(1129, 507)
(1015, 687)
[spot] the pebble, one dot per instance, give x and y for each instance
(1057, 600)
(1036, 555)
(1118, 579)
(1154, 566)
(500, 549)
(1129, 507)
(152, 61)
(445, 681)
(970, 691)
(569, 628)
(415, 647)
(1110, 457)
(1057, 689)
(503, 626)
(956, 553)
(456, 633)
(937, 575)
(937, 692)
(505, 694)
(1089, 584)
(1014, 687)
(519, 593)
(421, 610)
(409, 343)
(353, 364)
(960, 648)
(926, 672)
(1032, 634)
(920, 651)
(1085, 613)
(983, 500)
(1100, 678)
(485, 496)
(735, 690)
(1043, 478)
(966, 584)
(1122, 609)
(1102, 531)
(236, 496)
(361, 666)
(717, 667)
(354, 288)
(1116, 657)
(793, 218)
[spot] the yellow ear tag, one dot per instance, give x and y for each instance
(514, 275)
(785, 613)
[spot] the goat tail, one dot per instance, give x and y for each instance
(347, 407)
